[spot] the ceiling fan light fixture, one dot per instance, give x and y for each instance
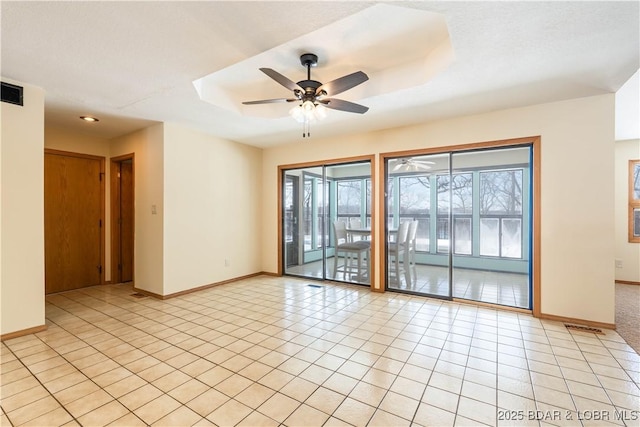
(297, 113)
(308, 107)
(311, 93)
(308, 112)
(320, 112)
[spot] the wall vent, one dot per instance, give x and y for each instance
(12, 94)
(584, 329)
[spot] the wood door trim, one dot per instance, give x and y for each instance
(115, 202)
(72, 154)
(101, 159)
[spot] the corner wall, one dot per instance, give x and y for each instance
(22, 217)
(577, 170)
(627, 253)
(212, 214)
(148, 146)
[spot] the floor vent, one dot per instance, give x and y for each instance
(313, 286)
(584, 329)
(138, 295)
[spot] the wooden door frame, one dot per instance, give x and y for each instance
(115, 202)
(101, 159)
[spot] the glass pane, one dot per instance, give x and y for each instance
(307, 213)
(288, 211)
(501, 192)
(418, 195)
(390, 202)
(636, 181)
(422, 235)
(489, 237)
(322, 194)
(443, 235)
(511, 238)
(348, 259)
(442, 182)
(442, 225)
(462, 236)
(636, 222)
(462, 193)
(414, 195)
(368, 185)
(293, 233)
(349, 198)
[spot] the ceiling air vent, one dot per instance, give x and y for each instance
(12, 94)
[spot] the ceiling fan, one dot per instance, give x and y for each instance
(311, 94)
(412, 165)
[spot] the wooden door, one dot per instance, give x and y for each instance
(122, 218)
(126, 220)
(73, 211)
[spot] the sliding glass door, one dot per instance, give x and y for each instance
(417, 195)
(333, 222)
(469, 223)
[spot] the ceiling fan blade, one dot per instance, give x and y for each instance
(337, 86)
(340, 104)
(270, 101)
(421, 167)
(284, 81)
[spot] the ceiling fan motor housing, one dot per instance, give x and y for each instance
(309, 60)
(310, 87)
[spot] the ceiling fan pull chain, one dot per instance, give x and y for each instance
(306, 129)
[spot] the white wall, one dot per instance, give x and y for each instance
(207, 197)
(57, 138)
(148, 146)
(628, 253)
(577, 170)
(212, 213)
(22, 222)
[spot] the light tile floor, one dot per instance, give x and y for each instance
(510, 289)
(275, 351)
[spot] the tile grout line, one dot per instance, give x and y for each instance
(42, 385)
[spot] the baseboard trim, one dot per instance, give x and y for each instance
(199, 288)
(23, 332)
(575, 321)
(268, 273)
(627, 282)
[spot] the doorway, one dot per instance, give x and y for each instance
(459, 224)
(74, 218)
(326, 220)
(122, 219)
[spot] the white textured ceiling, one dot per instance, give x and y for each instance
(133, 63)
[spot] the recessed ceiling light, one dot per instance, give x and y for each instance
(89, 119)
